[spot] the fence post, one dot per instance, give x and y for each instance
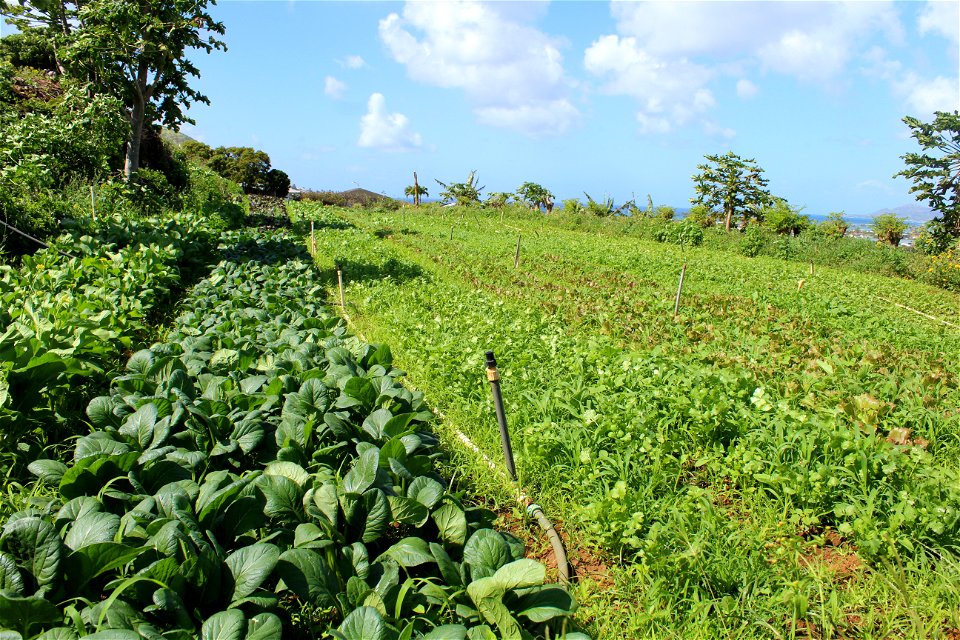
(516, 258)
(676, 304)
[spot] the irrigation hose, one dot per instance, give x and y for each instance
(533, 509)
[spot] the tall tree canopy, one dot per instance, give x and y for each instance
(135, 49)
(731, 184)
(936, 171)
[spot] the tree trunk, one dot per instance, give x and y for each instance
(416, 190)
(729, 219)
(132, 160)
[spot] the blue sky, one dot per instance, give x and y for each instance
(620, 98)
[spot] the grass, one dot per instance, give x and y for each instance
(732, 469)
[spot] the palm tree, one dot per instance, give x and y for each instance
(415, 191)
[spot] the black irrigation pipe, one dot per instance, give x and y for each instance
(533, 509)
(40, 242)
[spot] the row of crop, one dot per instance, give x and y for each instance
(69, 313)
(717, 487)
(262, 474)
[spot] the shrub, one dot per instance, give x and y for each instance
(752, 242)
(702, 215)
(835, 226)
(889, 228)
(684, 233)
(573, 206)
(781, 218)
(944, 269)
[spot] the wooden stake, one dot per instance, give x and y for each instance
(516, 258)
(676, 304)
(811, 267)
(313, 240)
(93, 205)
(451, 233)
(340, 282)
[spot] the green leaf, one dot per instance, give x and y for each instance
(140, 362)
(11, 582)
(169, 601)
(49, 471)
(426, 491)
(448, 569)
(225, 625)
(114, 634)
(35, 546)
(364, 623)
(23, 614)
(410, 552)
(92, 528)
(139, 425)
(94, 559)
(364, 472)
(452, 524)
(377, 515)
(306, 573)
(264, 626)
(289, 470)
(545, 604)
(250, 566)
(520, 574)
(487, 550)
(57, 633)
(284, 497)
(408, 511)
(446, 632)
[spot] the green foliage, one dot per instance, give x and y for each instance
(783, 219)
(935, 172)
(218, 199)
(498, 200)
(732, 185)
(416, 192)
(835, 226)
(889, 228)
(686, 233)
(29, 49)
(752, 242)
(702, 215)
(535, 196)
(573, 206)
(259, 462)
(461, 193)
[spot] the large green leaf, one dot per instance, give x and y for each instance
(225, 625)
(284, 497)
(363, 473)
(250, 566)
(410, 552)
(408, 511)
(94, 559)
(11, 582)
(545, 604)
(446, 632)
(364, 623)
(306, 573)
(35, 546)
(264, 626)
(49, 471)
(451, 521)
(92, 528)
(25, 614)
(426, 491)
(377, 519)
(485, 552)
(139, 425)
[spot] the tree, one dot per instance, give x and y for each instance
(138, 50)
(498, 199)
(535, 196)
(415, 192)
(936, 172)
(733, 185)
(889, 228)
(835, 226)
(462, 193)
(783, 219)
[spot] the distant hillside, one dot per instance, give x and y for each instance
(174, 137)
(912, 212)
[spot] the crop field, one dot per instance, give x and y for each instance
(777, 460)
(258, 472)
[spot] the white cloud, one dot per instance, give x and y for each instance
(511, 73)
(923, 97)
(746, 89)
(670, 92)
(334, 88)
(667, 54)
(388, 131)
(714, 130)
(941, 17)
(353, 62)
